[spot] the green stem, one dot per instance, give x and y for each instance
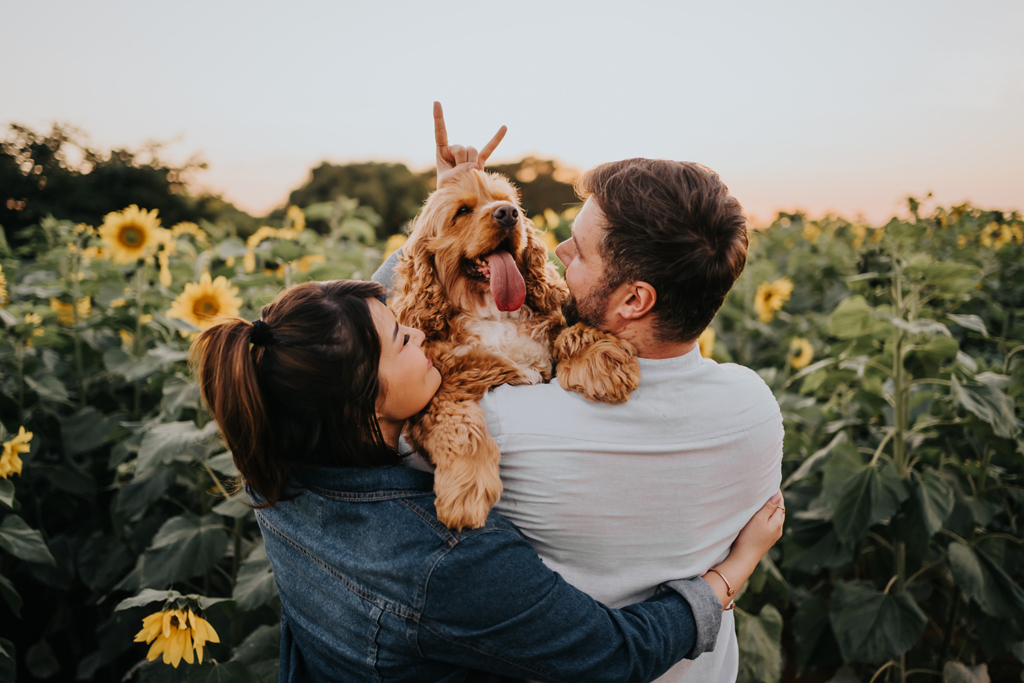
(21, 381)
(76, 293)
(236, 561)
(947, 635)
(1011, 354)
(983, 477)
(140, 283)
(899, 382)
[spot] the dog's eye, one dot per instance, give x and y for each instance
(463, 210)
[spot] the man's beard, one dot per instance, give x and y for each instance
(589, 310)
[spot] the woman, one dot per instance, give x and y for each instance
(311, 400)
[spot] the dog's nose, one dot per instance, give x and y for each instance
(506, 215)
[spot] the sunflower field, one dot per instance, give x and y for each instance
(896, 353)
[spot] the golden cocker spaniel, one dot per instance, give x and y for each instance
(477, 281)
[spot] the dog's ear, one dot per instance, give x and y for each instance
(545, 291)
(419, 300)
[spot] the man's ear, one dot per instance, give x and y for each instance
(634, 300)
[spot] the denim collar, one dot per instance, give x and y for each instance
(366, 479)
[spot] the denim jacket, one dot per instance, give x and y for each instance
(374, 588)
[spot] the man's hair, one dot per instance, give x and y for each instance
(674, 226)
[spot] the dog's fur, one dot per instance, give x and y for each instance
(476, 346)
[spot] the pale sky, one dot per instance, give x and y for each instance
(813, 105)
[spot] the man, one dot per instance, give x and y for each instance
(621, 498)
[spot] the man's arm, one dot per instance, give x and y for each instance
(385, 274)
(491, 604)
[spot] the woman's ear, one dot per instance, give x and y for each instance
(545, 291)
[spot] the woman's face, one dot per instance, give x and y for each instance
(410, 379)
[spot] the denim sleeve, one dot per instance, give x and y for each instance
(385, 275)
(491, 604)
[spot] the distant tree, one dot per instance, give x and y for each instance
(392, 190)
(396, 193)
(543, 184)
(55, 174)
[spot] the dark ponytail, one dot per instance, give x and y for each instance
(300, 387)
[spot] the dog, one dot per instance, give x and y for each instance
(476, 279)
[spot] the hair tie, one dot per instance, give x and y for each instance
(261, 335)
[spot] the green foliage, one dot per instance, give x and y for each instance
(902, 469)
(127, 501)
(396, 194)
(903, 458)
(56, 174)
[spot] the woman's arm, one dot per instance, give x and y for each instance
(491, 604)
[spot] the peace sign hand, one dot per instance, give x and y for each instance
(455, 159)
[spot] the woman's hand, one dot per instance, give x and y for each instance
(755, 539)
(455, 159)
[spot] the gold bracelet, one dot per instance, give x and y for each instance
(728, 588)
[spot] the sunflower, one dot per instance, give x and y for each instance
(770, 297)
(65, 312)
(877, 235)
(800, 353)
(306, 262)
(706, 342)
(571, 213)
(962, 241)
(859, 233)
(549, 240)
(811, 232)
(131, 234)
(190, 229)
(264, 233)
(297, 220)
(394, 243)
(203, 303)
(996, 236)
(1018, 233)
(10, 460)
(176, 633)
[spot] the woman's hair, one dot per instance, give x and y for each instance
(299, 387)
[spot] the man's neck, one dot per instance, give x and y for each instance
(648, 346)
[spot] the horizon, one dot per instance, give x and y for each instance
(799, 107)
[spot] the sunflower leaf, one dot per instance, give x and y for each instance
(7, 493)
(20, 540)
(10, 595)
(165, 442)
(185, 546)
(215, 672)
(871, 626)
(147, 596)
(255, 585)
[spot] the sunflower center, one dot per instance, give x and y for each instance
(131, 236)
(206, 307)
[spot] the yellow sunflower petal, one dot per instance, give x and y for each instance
(211, 635)
(172, 655)
(158, 648)
(187, 652)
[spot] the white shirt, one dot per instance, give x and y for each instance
(619, 499)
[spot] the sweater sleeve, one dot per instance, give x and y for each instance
(491, 604)
(385, 274)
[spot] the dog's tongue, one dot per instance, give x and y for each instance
(507, 285)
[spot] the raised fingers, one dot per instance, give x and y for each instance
(440, 132)
(485, 153)
(462, 154)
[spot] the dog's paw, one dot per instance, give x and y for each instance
(596, 364)
(465, 497)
